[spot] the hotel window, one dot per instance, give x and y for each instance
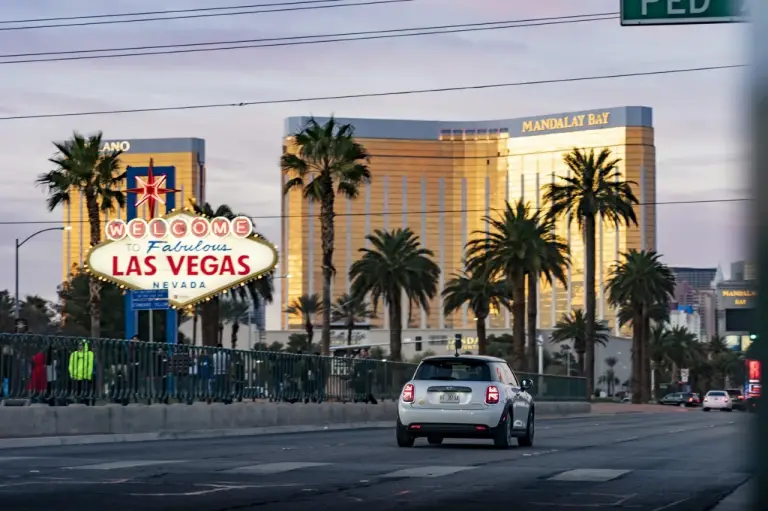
(493, 133)
(458, 134)
(482, 134)
(504, 133)
(445, 134)
(469, 134)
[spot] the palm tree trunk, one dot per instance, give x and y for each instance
(589, 282)
(235, 329)
(645, 375)
(637, 363)
(327, 229)
(195, 314)
(210, 320)
(310, 329)
(350, 328)
(395, 328)
(532, 314)
(482, 340)
(518, 323)
(221, 333)
(94, 286)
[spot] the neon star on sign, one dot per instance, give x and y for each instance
(152, 190)
(193, 257)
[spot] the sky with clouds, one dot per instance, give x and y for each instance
(699, 118)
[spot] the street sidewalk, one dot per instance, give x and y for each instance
(739, 500)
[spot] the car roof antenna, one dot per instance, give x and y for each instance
(457, 344)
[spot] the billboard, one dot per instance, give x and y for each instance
(193, 257)
(737, 298)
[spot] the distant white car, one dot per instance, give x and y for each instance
(717, 400)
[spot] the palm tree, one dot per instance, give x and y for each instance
(80, 166)
(350, 310)
(658, 351)
(305, 308)
(609, 377)
(234, 312)
(482, 292)
(573, 327)
(640, 282)
(551, 262)
(329, 161)
(259, 291)
(395, 265)
(592, 189)
(518, 241)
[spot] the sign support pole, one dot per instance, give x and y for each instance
(130, 317)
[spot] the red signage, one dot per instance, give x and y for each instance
(753, 370)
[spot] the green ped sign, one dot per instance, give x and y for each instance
(683, 12)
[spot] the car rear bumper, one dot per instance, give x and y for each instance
(718, 406)
(490, 416)
(450, 430)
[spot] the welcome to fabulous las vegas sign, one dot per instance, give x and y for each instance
(190, 255)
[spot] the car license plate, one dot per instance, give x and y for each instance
(449, 398)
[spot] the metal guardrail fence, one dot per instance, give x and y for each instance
(63, 370)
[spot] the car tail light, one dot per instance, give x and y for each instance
(492, 395)
(690, 400)
(408, 393)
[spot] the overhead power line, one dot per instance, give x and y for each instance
(171, 49)
(383, 213)
(209, 14)
(374, 94)
(172, 11)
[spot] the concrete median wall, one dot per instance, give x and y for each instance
(165, 420)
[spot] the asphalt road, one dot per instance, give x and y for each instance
(640, 462)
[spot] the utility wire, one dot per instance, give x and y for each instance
(383, 213)
(171, 49)
(374, 94)
(173, 11)
(205, 15)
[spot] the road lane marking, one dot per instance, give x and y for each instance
(211, 488)
(596, 475)
(273, 468)
(672, 504)
(114, 465)
(429, 471)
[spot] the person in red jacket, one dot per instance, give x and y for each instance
(38, 383)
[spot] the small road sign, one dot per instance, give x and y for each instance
(149, 299)
(684, 375)
(683, 12)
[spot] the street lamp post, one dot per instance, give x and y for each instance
(17, 309)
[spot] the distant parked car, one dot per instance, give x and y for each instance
(683, 399)
(737, 399)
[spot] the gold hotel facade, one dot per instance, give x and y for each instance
(181, 160)
(440, 178)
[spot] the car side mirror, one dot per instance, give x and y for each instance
(526, 384)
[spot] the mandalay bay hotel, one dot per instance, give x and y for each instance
(441, 177)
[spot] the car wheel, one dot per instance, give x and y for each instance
(435, 440)
(681, 405)
(706, 409)
(729, 409)
(502, 434)
(527, 440)
(404, 439)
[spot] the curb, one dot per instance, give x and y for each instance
(60, 441)
(57, 441)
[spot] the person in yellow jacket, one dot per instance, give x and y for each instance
(81, 371)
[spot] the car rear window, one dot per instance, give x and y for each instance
(734, 392)
(453, 369)
(717, 393)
